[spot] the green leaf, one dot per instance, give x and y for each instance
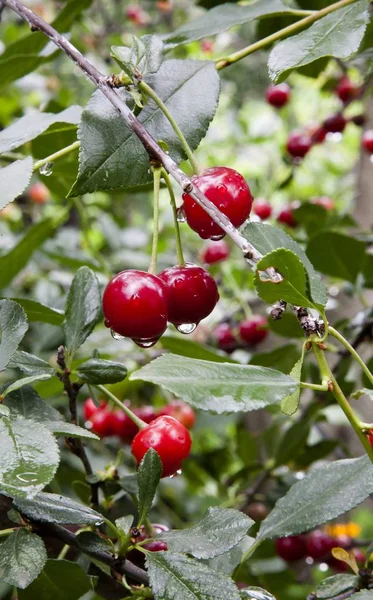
(292, 442)
(16, 385)
(288, 326)
(22, 558)
(13, 326)
(26, 403)
(338, 34)
(98, 370)
(148, 61)
(364, 595)
(60, 580)
(325, 493)
(217, 387)
(69, 430)
(281, 358)
(83, 309)
(290, 404)
(89, 541)
(256, 593)
(336, 584)
(35, 311)
(111, 155)
(292, 288)
(148, 477)
(177, 577)
(217, 532)
(30, 364)
(54, 508)
(182, 347)
(337, 255)
(14, 179)
(221, 18)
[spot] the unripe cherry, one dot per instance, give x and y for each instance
(39, 193)
(181, 411)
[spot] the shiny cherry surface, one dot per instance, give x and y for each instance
(215, 252)
(102, 422)
(125, 428)
(291, 548)
(254, 330)
(298, 144)
(335, 123)
(278, 95)
(181, 411)
(318, 544)
(262, 209)
(90, 408)
(345, 89)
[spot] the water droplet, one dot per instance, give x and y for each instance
(180, 215)
(46, 169)
(255, 593)
(186, 328)
(216, 238)
(27, 477)
(146, 343)
(107, 323)
(116, 336)
(178, 472)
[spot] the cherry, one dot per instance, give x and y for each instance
(319, 544)
(359, 120)
(371, 438)
(325, 202)
(90, 408)
(136, 15)
(278, 95)
(102, 422)
(125, 428)
(367, 141)
(345, 89)
(298, 144)
(135, 306)
(257, 511)
(215, 252)
(318, 135)
(254, 330)
(291, 548)
(169, 438)
(262, 208)
(136, 556)
(225, 337)
(286, 217)
(192, 294)
(207, 46)
(181, 411)
(39, 193)
(225, 188)
(335, 123)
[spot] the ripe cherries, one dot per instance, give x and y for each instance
(298, 144)
(215, 252)
(225, 188)
(254, 330)
(367, 141)
(278, 95)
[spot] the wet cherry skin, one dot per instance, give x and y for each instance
(335, 123)
(125, 428)
(254, 330)
(367, 141)
(262, 209)
(298, 144)
(215, 252)
(181, 411)
(278, 95)
(291, 548)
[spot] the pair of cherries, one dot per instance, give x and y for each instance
(252, 331)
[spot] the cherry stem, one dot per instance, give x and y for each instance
(179, 248)
(338, 336)
(56, 155)
(6, 532)
(157, 179)
(323, 387)
(131, 415)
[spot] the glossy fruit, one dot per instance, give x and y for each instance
(225, 337)
(135, 306)
(169, 438)
(335, 123)
(225, 188)
(278, 95)
(90, 408)
(291, 548)
(254, 330)
(125, 428)
(367, 141)
(318, 544)
(102, 422)
(298, 144)
(215, 252)
(39, 193)
(181, 411)
(345, 89)
(325, 202)
(262, 208)
(138, 557)
(318, 135)
(286, 217)
(192, 294)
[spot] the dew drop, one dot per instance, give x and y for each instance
(186, 328)
(180, 215)
(116, 336)
(146, 343)
(255, 593)
(46, 169)
(178, 472)
(216, 238)
(27, 477)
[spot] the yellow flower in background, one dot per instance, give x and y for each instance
(351, 529)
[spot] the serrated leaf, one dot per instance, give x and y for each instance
(13, 326)
(191, 349)
(364, 595)
(290, 404)
(16, 385)
(54, 508)
(30, 364)
(29, 457)
(217, 532)
(14, 179)
(98, 370)
(83, 309)
(69, 430)
(148, 477)
(60, 580)
(26, 403)
(337, 255)
(22, 558)
(149, 62)
(35, 311)
(338, 34)
(112, 157)
(334, 585)
(217, 387)
(177, 577)
(325, 493)
(92, 542)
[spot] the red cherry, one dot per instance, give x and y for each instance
(298, 144)
(291, 548)
(180, 411)
(146, 413)
(207, 46)
(230, 193)
(39, 193)
(125, 428)
(136, 556)
(335, 123)
(345, 89)
(262, 208)
(225, 337)
(254, 330)
(278, 95)
(318, 544)
(325, 202)
(371, 438)
(215, 252)
(135, 306)
(192, 293)
(90, 408)
(286, 217)
(102, 422)
(169, 438)
(136, 15)
(367, 141)
(318, 135)
(359, 120)
(342, 541)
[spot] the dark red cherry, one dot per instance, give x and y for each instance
(278, 95)
(225, 188)
(318, 135)
(286, 217)
(291, 548)
(102, 422)
(135, 306)
(138, 557)
(225, 337)
(359, 120)
(125, 428)
(371, 438)
(262, 208)
(318, 544)
(169, 438)
(335, 123)
(298, 144)
(254, 329)
(325, 202)
(180, 411)
(367, 141)
(90, 408)
(192, 294)
(215, 252)
(345, 89)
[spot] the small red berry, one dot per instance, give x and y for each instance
(225, 337)
(318, 544)
(371, 438)
(135, 306)
(136, 556)
(318, 135)
(298, 144)
(125, 428)
(169, 438)
(90, 408)
(367, 141)
(180, 411)
(335, 123)
(291, 548)
(137, 15)
(39, 193)
(102, 422)
(207, 46)
(254, 330)
(146, 413)
(262, 208)
(215, 252)
(325, 202)
(225, 188)
(192, 294)
(278, 95)
(286, 217)
(345, 89)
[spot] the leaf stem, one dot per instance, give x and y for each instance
(131, 415)
(179, 248)
(221, 63)
(56, 155)
(144, 87)
(157, 179)
(338, 336)
(314, 386)
(6, 532)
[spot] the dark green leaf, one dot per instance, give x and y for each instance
(14, 179)
(35, 311)
(288, 326)
(22, 558)
(148, 61)
(13, 326)
(69, 430)
(16, 385)
(281, 358)
(60, 580)
(325, 493)
(27, 403)
(255, 593)
(364, 595)
(183, 347)
(89, 541)
(220, 530)
(336, 584)
(217, 387)
(54, 508)
(337, 255)
(292, 442)
(98, 370)
(30, 364)
(148, 476)
(83, 309)
(290, 404)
